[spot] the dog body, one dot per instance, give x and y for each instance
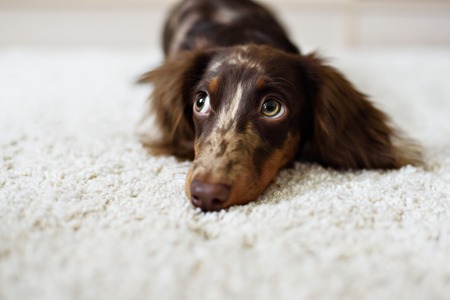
(237, 96)
(202, 24)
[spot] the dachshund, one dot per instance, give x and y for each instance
(237, 97)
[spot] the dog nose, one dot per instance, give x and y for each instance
(209, 196)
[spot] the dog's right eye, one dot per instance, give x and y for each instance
(272, 109)
(202, 105)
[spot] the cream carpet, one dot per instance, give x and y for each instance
(86, 213)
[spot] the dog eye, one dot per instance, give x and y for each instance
(271, 108)
(202, 105)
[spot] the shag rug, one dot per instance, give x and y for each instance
(86, 213)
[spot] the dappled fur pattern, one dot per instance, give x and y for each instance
(236, 150)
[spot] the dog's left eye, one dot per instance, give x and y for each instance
(202, 105)
(271, 108)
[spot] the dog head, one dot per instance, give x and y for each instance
(243, 113)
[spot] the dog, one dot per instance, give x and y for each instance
(236, 96)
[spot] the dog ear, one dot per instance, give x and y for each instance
(169, 105)
(346, 129)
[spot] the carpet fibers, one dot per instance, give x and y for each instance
(86, 213)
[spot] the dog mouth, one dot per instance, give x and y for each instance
(215, 190)
(235, 178)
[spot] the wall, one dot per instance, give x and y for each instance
(314, 23)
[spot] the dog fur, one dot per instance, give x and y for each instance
(235, 57)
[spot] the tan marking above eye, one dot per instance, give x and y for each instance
(261, 83)
(213, 85)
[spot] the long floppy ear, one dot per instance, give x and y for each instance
(348, 131)
(169, 106)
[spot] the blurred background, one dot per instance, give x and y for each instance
(312, 23)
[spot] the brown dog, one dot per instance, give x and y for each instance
(238, 97)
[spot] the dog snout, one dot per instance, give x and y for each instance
(209, 196)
